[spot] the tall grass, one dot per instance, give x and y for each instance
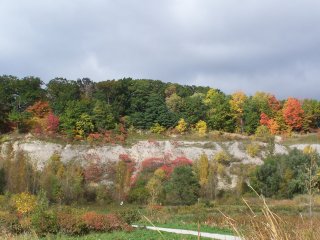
(267, 225)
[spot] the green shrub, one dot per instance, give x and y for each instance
(44, 222)
(130, 215)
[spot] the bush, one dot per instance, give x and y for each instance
(222, 157)
(24, 203)
(157, 128)
(44, 222)
(130, 215)
(115, 223)
(10, 222)
(94, 221)
(253, 149)
(71, 224)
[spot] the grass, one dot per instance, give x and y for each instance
(141, 234)
(194, 227)
(311, 138)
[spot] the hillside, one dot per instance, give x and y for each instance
(39, 152)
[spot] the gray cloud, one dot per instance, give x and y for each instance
(232, 45)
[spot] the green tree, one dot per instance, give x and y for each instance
(72, 114)
(102, 116)
(157, 112)
(183, 187)
(193, 108)
(84, 126)
(219, 113)
(51, 178)
(60, 92)
(251, 115)
(283, 175)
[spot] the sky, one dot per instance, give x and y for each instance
(233, 45)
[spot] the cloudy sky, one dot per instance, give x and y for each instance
(249, 45)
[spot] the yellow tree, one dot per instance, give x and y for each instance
(201, 127)
(182, 126)
(203, 170)
(155, 186)
(237, 102)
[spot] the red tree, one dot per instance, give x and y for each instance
(293, 113)
(264, 119)
(52, 123)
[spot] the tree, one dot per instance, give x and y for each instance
(155, 186)
(202, 170)
(2, 180)
(21, 176)
(174, 103)
(219, 114)
(52, 123)
(293, 114)
(182, 126)
(237, 106)
(193, 108)
(311, 118)
(84, 126)
(102, 116)
(201, 127)
(19, 119)
(72, 115)
(251, 114)
(183, 187)
(157, 112)
(60, 92)
(122, 181)
(283, 175)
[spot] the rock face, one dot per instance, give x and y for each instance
(40, 151)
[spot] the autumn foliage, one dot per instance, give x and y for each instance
(293, 113)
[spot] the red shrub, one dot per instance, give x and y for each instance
(52, 123)
(72, 224)
(125, 157)
(95, 222)
(152, 163)
(93, 172)
(168, 169)
(180, 161)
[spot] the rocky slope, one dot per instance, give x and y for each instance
(40, 151)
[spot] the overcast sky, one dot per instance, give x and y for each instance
(249, 45)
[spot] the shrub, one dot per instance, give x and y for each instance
(115, 223)
(24, 202)
(71, 224)
(44, 222)
(253, 149)
(95, 222)
(222, 157)
(201, 127)
(10, 222)
(157, 128)
(130, 215)
(262, 131)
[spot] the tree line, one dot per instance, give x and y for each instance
(83, 108)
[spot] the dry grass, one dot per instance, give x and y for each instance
(267, 225)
